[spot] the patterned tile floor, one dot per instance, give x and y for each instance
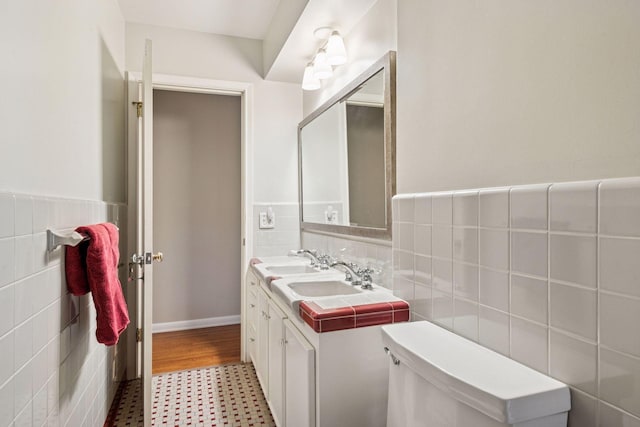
(227, 395)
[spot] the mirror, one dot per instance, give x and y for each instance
(346, 154)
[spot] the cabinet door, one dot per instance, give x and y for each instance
(252, 325)
(262, 367)
(276, 363)
(300, 378)
(251, 318)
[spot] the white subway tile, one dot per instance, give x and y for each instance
(529, 253)
(442, 205)
(620, 207)
(402, 265)
(40, 214)
(620, 380)
(529, 298)
(422, 239)
(619, 317)
(23, 300)
(573, 259)
(24, 256)
(528, 207)
(442, 239)
(7, 215)
(7, 350)
(25, 417)
(7, 261)
(405, 208)
(465, 244)
(402, 288)
(23, 344)
(573, 362)
(529, 344)
(619, 267)
(465, 281)
(573, 206)
(24, 215)
(405, 236)
(6, 309)
(40, 254)
(583, 410)
(7, 404)
(573, 309)
(494, 289)
(465, 321)
(465, 208)
(40, 326)
(443, 275)
(493, 330)
(494, 208)
(611, 416)
(53, 395)
(40, 370)
(422, 209)
(40, 407)
(494, 249)
(423, 270)
(22, 383)
(443, 308)
(422, 301)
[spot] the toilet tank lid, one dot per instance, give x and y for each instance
(493, 384)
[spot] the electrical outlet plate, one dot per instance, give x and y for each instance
(266, 222)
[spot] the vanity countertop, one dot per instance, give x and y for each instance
(325, 313)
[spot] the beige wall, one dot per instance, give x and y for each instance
(505, 92)
(196, 205)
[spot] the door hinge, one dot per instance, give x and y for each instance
(138, 105)
(139, 335)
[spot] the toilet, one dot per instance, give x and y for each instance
(440, 379)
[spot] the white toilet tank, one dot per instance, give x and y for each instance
(439, 379)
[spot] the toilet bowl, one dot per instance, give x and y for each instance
(439, 379)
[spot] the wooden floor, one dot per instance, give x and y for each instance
(195, 348)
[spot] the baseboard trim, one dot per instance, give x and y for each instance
(183, 325)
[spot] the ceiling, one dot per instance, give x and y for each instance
(239, 18)
(285, 26)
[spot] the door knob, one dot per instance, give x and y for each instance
(158, 257)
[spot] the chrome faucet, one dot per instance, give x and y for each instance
(357, 276)
(311, 254)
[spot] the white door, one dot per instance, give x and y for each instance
(142, 259)
(276, 363)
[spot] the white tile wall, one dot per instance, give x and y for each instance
(284, 237)
(52, 371)
(367, 252)
(547, 274)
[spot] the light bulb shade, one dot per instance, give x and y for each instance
(336, 52)
(321, 69)
(309, 81)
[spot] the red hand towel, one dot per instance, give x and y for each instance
(93, 266)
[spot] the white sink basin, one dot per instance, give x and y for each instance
(323, 288)
(291, 269)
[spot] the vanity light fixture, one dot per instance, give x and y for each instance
(336, 52)
(331, 54)
(309, 81)
(321, 68)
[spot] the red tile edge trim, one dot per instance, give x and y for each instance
(255, 261)
(327, 320)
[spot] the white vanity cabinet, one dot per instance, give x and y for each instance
(313, 379)
(262, 362)
(299, 378)
(252, 316)
(276, 363)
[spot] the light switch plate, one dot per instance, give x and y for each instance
(266, 222)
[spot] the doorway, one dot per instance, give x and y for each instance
(197, 221)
